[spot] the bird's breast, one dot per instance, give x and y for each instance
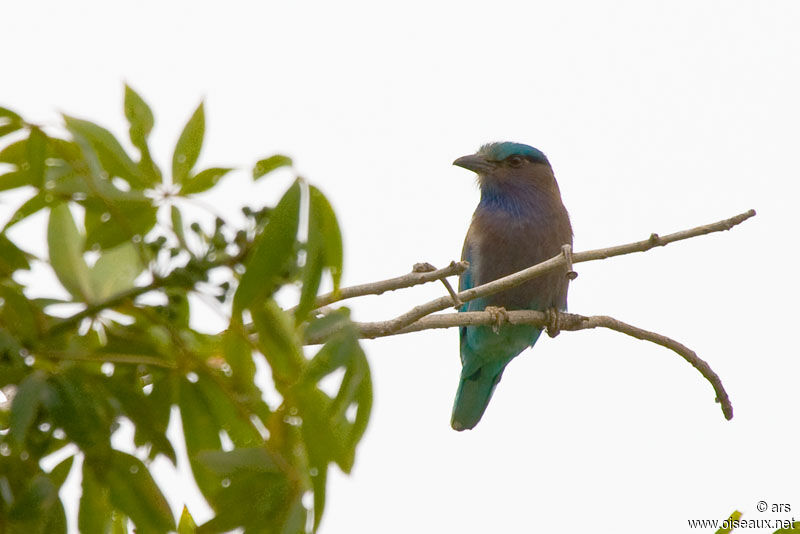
(502, 244)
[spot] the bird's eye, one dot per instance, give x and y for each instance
(516, 161)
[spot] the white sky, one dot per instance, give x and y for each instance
(656, 116)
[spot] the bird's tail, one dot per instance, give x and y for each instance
(473, 396)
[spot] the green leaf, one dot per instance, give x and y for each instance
(149, 413)
(55, 519)
(735, 516)
(14, 179)
(94, 510)
(19, 314)
(268, 497)
(66, 253)
(226, 414)
(109, 228)
(177, 225)
(331, 234)
(78, 405)
(37, 508)
(361, 397)
(203, 181)
(329, 435)
(139, 116)
(201, 433)
(269, 164)
(239, 461)
(141, 121)
(239, 356)
(312, 273)
(10, 115)
(795, 528)
(178, 310)
(25, 407)
(295, 522)
(326, 439)
(36, 153)
(188, 147)
(278, 342)
(61, 179)
(133, 491)
(61, 471)
(322, 327)
(104, 193)
(138, 338)
(14, 153)
(11, 257)
(119, 523)
(158, 409)
(115, 271)
(271, 251)
(337, 352)
(69, 152)
(10, 127)
(37, 500)
(318, 482)
(113, 158)
(323, 250)
(186, 525)
(356, 389)
(29, 207)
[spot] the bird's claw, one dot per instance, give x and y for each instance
(499, 316)
(553, 327)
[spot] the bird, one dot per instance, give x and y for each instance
(520, 221)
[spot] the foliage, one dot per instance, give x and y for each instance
(735, 520)
(125, 348)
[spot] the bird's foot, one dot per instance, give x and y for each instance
(553, 327)
(499, 316)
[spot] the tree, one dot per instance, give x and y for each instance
(122, 345)
(119, 245)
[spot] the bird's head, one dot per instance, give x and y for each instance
(509, 164)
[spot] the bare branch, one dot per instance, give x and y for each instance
(566, 321)
(419, 318)
(520, 277)
(659, 241)
(422, 274)
(176, 278)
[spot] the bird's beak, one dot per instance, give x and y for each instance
(474, 163)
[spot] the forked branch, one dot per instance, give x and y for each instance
(566, 321)
(420, 318)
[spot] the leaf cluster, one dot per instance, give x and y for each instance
(122, 346)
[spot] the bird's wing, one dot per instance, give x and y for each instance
(467, 280)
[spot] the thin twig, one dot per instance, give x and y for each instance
(566, 250)
(170, 280)
(456, 303)
(566, 321)
(560, 261)
(94, 309)
(415, 319)
(111, 357)
(427, 268)
(414, 278)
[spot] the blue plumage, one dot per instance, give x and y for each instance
(501, 151)
(520, 221)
